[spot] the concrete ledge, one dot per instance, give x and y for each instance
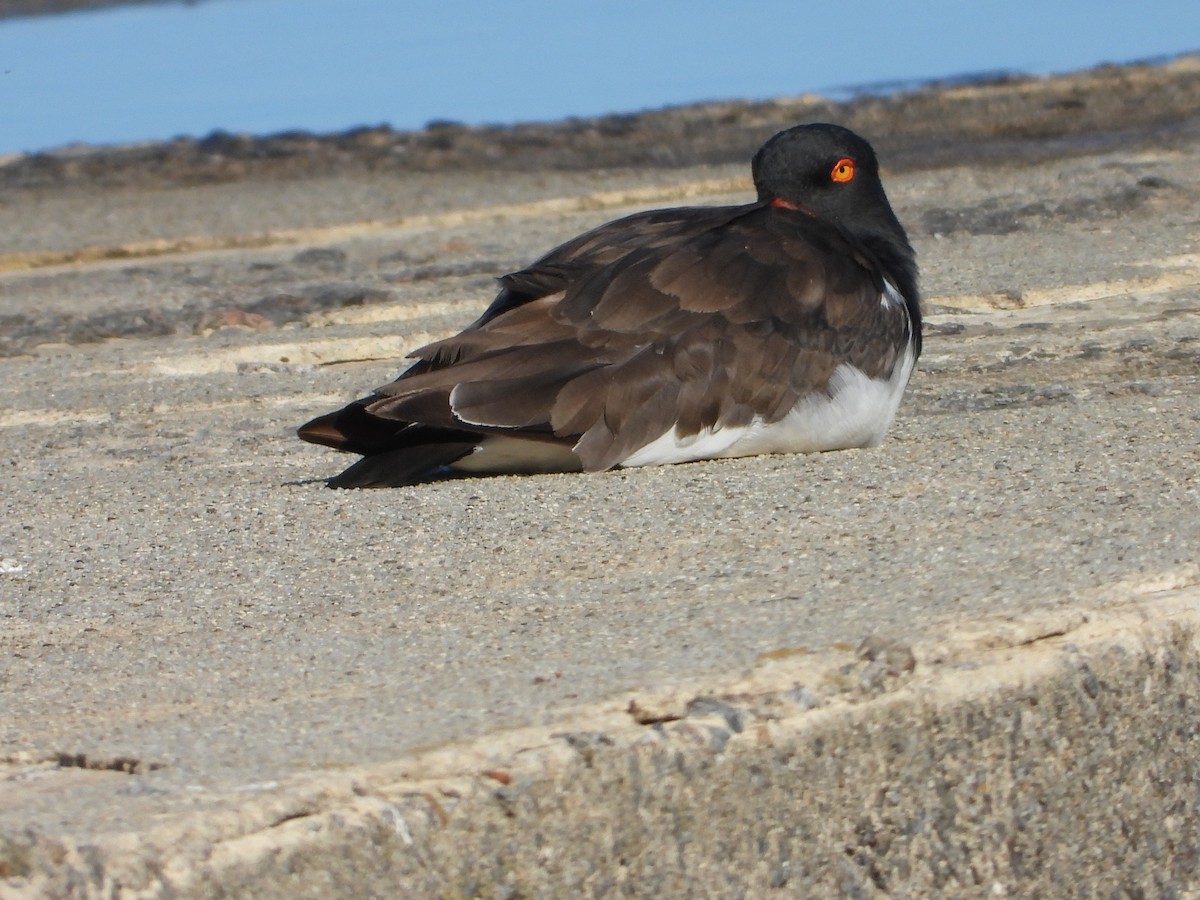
(1052, 758)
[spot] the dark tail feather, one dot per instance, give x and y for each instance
(403, 466)
(353, 429)
(395, 453)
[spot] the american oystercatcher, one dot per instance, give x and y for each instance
(787, 325)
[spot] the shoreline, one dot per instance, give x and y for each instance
(940, 124)
(27, 9)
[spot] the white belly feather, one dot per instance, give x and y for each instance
(856, 411)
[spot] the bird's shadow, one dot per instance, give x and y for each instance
(304, 482)
(443, 475)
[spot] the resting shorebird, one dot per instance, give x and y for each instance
(788, 325)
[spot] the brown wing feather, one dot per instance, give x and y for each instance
(690, 320)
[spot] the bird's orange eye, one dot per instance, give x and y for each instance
(843, 170)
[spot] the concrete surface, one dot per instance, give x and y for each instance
(961, 664)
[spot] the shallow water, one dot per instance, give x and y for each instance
(151, 72)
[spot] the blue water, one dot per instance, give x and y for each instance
(262, 66)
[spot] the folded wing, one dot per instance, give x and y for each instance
(693, 320)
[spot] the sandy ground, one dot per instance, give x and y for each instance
(189, 617)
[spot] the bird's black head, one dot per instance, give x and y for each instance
(826, 170)
(831, 173)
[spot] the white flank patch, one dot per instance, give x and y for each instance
(671, 448)
(497, 453)
(856, 412)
